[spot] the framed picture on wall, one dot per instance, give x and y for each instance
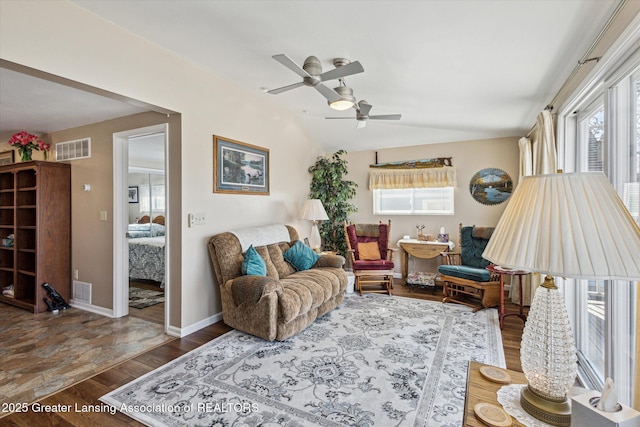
(133, 194)
(7, 157)
(239, 168)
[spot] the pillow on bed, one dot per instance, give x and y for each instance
(301, 256)
(253, 264)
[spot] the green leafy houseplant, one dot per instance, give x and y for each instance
(328, 185)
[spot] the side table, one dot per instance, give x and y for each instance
(480, 389)
(502, 272)
(419, 249)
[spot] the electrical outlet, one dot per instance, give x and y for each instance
(75, 274)
(103, 215)
(197, 219)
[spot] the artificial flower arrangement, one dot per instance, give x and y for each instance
(26, 143)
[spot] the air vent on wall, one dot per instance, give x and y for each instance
(82, 291)
(73, 150)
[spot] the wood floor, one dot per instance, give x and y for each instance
(87, 392)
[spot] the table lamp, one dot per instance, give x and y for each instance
(314, 211)
(566, 225)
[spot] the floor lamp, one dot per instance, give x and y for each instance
(566, 225)
(314, 211)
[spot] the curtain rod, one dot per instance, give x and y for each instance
(585, 58)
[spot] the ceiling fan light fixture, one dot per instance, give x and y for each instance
(346, 101)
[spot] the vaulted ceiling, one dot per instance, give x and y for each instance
(455, 70)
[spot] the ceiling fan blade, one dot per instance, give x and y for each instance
(339, 118)
(361, 124)
(285, 88)
(287, 62)
(386, 117)
(343, 71)
(330, 94)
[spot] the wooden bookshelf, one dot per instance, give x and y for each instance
(35, 206)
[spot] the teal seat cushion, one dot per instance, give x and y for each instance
(253, 264)
(464, 272)
(301, 256)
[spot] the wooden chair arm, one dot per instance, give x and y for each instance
(452, 258)
(390, 252)
(351, 253)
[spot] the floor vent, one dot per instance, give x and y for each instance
(73, 150)
(82, 291)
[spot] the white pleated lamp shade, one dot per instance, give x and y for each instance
(568, 225)
(313, 210)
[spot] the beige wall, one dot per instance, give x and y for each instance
(107, 57)
(468, 158)
(92, 239)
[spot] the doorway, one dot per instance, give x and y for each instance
(140, 223)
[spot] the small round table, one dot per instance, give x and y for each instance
(502, 271)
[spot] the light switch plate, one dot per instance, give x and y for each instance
(197, 219)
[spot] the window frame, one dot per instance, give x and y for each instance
(377, 201)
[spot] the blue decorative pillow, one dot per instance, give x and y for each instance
(301, 256)
(253, 264)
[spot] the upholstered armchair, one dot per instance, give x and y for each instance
(371, 257)
(466, 279)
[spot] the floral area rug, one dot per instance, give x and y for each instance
(142, 298)
(376, 360)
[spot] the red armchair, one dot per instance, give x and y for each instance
(371, 256)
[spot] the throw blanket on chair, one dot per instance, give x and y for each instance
(262, 235)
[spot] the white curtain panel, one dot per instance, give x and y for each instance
(526, 157)
(537, 157)
(544, 145)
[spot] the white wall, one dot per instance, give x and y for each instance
(67, 41)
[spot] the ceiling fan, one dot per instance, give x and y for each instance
(312, 75)
(362, 114)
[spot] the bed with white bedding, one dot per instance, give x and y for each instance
(147, 259)
(145, 230)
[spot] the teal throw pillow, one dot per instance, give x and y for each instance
(301, 256)
(253, 264)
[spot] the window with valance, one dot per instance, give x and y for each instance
(427, 191)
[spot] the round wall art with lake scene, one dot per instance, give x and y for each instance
(491, 186)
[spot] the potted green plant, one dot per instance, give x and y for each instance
(335, 192)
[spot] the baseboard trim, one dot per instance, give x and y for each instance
(92, 308)
(194, 327)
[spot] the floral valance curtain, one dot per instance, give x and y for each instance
(412, 178)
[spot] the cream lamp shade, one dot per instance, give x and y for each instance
(568, 225)
(314, 211)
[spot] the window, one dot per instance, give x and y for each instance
(154, 200)
(413, 201)
(604, 136)
(591, 138)
(590, 333)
